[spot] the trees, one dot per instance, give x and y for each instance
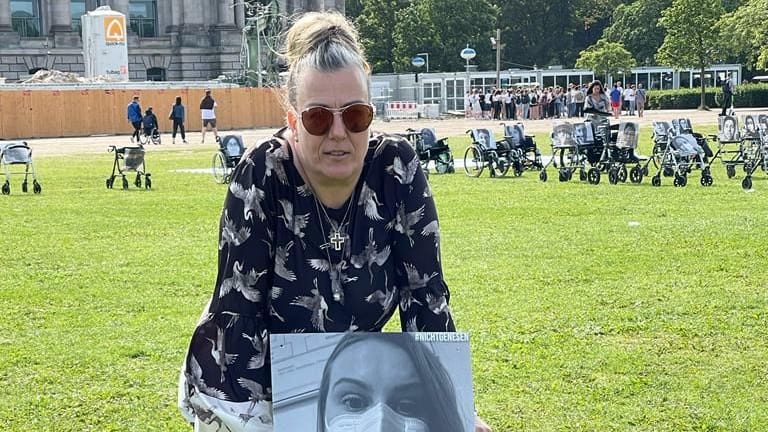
(636, 26)
(693, 39)
(747, 33)
(606, 58)
(375, 24)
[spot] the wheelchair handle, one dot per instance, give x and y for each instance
(111, 148)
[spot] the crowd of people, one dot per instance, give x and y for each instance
(550, 102)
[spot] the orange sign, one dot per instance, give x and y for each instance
(114, 29)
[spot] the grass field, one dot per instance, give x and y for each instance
(590, 308)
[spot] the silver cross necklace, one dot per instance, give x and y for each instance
(336, 239)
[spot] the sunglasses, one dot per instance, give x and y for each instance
(356, 117)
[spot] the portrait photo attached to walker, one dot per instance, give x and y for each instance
(377, 382)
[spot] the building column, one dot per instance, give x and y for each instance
(122, 6)
(8, 37)
(226, 14)
(60, 12)
(177, 10)
(5, 16)
(240, 15)
(61, 16)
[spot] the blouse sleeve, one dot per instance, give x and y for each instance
(225, 378)
(424, 295)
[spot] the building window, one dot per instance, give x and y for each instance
(432, 92)
(25, 17)
(454, 92)
(155, 74)
(77, 8)
(143, 15)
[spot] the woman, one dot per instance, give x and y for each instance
(177, 115)
(596, 101)
(322, 231)
(640, 97)
(417, 395)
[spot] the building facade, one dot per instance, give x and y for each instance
(168, 40)
(297, 6)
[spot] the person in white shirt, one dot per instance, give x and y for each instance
(629, 96)
(208, 114)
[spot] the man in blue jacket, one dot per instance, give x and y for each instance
(134, 116)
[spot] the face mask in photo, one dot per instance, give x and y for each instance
(379, 418)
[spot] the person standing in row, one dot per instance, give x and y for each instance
(177, 116)
(208, 113)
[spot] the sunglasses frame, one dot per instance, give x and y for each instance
(333, 112)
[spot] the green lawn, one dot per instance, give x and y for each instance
(590, 308)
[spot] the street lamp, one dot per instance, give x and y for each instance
(468, 54)
(426, 55)
(418, 62)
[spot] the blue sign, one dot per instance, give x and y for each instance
(418, 61)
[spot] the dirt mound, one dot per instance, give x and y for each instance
(58, 77)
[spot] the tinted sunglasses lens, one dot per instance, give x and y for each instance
(317, 120)
(357, 117)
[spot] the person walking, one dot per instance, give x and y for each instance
(208, 113)
(727, 94)
(640, 99)
(134, 116)
(177, 116)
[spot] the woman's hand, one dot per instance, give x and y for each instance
(481, 426)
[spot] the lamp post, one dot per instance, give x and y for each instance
(426, 56)
(468, 54)
(418, 62)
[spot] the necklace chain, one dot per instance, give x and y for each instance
(336, 239)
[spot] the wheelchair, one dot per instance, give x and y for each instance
(577, 147)
(485, 151)
(676, 152)
(225, 160)
(514, 135)
(430, 149)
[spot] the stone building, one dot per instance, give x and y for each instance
(293, 6)
(168, 40)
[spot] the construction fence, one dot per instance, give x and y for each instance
(49, 113)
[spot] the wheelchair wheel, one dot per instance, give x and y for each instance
(36, 188)
(473, 161)
(636, 174)
(593, 176)
(110, 182)
(502, 167)
(623, 174)
(543, 176)
(746, 184)
(706, 180)
(613, 176)
(137, 182)
(147, 182)
(24, 187)
(125, 183)
(442, 164)
(6, 188)
(219, 168)
(656, 181)
(730, 170)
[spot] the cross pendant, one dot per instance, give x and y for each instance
(336, 240)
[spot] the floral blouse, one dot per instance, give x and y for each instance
(289, 264)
